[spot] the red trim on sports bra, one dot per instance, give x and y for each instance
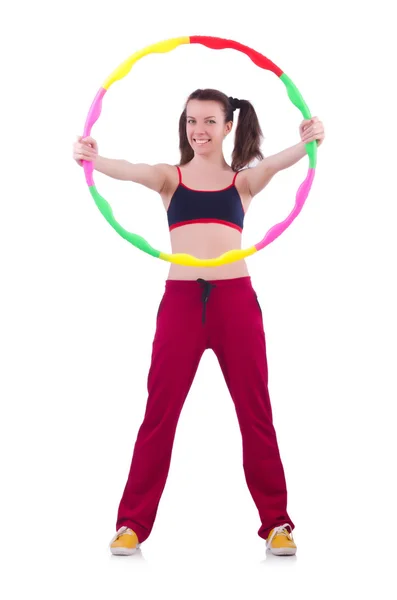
(193, 190)
(219, 221)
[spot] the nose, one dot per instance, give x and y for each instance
(200, 134)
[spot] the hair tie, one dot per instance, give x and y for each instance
(235, 102)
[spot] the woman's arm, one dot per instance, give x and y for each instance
(151, 176)
(258, 177)
(286, 158)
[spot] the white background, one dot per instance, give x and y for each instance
(78, 304)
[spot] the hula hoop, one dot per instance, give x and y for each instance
(139, 242)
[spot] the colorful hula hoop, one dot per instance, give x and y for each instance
(139, 242)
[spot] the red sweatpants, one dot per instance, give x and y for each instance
(223, 315)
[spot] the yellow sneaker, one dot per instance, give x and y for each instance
(125, 542)
(280, 541)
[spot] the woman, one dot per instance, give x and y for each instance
(215, 307)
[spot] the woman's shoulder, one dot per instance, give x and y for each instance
(175, 173)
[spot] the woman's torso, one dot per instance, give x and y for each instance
(206, 240)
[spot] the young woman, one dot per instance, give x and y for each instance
(216, 307)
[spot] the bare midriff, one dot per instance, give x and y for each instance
(206, 240)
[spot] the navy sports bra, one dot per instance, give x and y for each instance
(206, 206)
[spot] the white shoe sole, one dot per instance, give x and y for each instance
(283, 551)
(124, 551)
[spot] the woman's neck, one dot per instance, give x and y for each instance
(208, 163)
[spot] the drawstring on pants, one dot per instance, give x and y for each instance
(207, 287)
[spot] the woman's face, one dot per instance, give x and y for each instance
(205, 125)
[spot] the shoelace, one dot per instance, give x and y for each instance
(280, 529)
(120, 532)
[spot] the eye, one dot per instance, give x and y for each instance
(210, 120)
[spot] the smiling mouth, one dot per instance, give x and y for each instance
(201, 142)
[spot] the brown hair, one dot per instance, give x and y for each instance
(248, 133)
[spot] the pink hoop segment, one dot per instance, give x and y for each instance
(301, 195)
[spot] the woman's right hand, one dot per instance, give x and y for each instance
(85, 149)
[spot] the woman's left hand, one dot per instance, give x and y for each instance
(312, 129)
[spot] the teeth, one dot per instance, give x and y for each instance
(201, 141)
